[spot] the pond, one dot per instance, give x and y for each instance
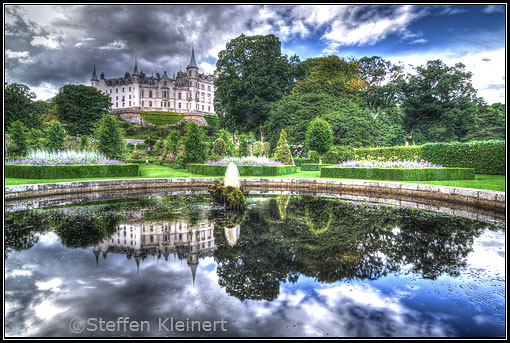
(287, 266)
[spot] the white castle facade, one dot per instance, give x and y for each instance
(188, 92)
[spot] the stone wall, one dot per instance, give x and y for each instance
(435, 197)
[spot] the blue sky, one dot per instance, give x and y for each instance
(49, 46)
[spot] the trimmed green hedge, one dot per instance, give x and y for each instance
(69, 171)
(161, 117)
(399, 174)
(486, 157)
(313, 166)
(298, 161)
(212, 120)
(220, 170)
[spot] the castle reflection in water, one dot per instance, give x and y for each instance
(161, 239)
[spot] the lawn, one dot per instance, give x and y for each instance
(488, 182)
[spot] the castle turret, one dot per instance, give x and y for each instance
(192, 75)
(135, 77)
(94, 82)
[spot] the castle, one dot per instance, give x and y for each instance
(189, 92)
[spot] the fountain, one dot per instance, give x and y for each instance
(232, 176)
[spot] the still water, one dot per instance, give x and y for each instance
(287, 266)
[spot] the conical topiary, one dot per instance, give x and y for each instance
(282, 151)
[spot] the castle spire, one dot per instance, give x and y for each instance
(94, 76)
(193, 62)
(135, 72)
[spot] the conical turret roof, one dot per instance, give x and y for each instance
(193, 62)
(94, 76)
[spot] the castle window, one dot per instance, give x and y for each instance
(202, 107)
(150, 94)
(150, 103)
(116, 104)
(208, 88)
(208, 108)
(116, 90)
(179, 105)
(129, 96)
(122, 90)
(179, 96)
(110, 91)
(202, 86)
(143, 103)
(116, 98)
(164, 83)
(130, 103)
(130, 89)
(142, 93)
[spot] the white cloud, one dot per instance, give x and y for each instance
(207, 67)
(44, 92)
(487, 67)
(49, 42)
(494, 9)
(419, 41)
(22, 56)
(115, 45)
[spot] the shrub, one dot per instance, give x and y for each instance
(243, 145)
(258, 149)
(10, 146)
(55, 135)
(314, 156)
(219, 147)
(140, 146)
(161, 117)
(70, 171)
(298, 161)
(84, 142)
(18, 133)
(282, 152)
(399, 174)
(110, 138)
(194, 147)
(312, 166)
(319, 137)
(71, 143)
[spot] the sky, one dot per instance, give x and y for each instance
(48, 46)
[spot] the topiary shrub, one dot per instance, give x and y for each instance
(228, 196)
(282, 152)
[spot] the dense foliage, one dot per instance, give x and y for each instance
(161, 117)
(110, 138)
(79, 107)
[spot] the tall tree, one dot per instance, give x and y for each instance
(382, 80)
(319, 137)
(253, 73)
(439, 102)
(331, 75)
(55, 136)
(79, 106)
(110, 138)
(19, 105)
(194, 146)
(490, 123)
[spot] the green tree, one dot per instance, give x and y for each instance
(439, 102)
(258, 149)
(18, 105)
(55, 135)
(244, 145)
(319, 137)
(18, 133)
(253, 73)
(331, 75)
(79, 107)
(227, 138)
(36, 139)
(382, 82)
(219, 147)
(110, 138)
(282, 152)
(490, 123)
(194, 147)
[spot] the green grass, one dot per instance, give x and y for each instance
(487, 182)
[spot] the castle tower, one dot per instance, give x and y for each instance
(94, 82)
(135, 77)
(192, 75)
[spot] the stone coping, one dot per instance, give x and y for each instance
(492, 200)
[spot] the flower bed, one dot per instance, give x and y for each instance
(67, 164)
(244, 170)
(69, 157)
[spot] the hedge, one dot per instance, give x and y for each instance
(399, 174)
(69, 171)
(212, 120)
(313, 166)
(220, 170)
(486, 157)
(298, 161)
(161, 117)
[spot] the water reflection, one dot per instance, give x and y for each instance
(284, 258)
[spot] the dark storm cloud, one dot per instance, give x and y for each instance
(111, 37)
